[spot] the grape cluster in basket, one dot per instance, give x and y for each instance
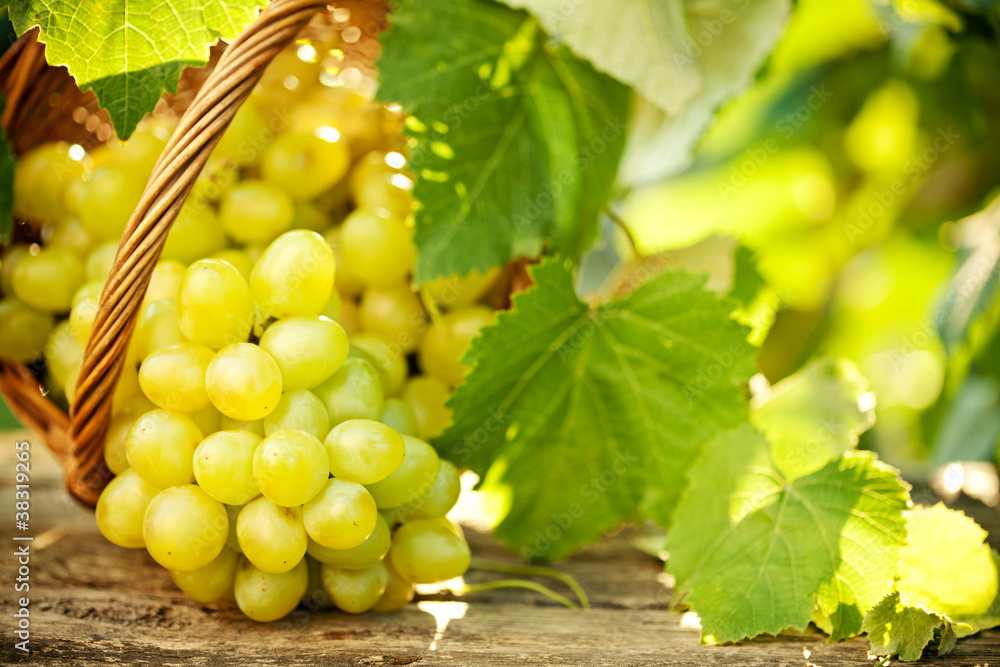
(269, 430)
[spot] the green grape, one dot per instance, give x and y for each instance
(107, 199)
(127, 389)
(255, 211)
(341, 516)
(290, 467)
(160, 446)
(398, 592)
(374, 183)
(243, 382)
(184, 528)
(315, 597)
(86, 302)
(439, 499)
(308, 350)
(388, 359)
(299, 409)
(239, 259)
(99, 262)
(272, 537)
(47, 280)
(196, 233)
(459, 291)
(210, 582)
(72, 235)
(232, 539)
(173, 377)
(139, 153)
(353, 392)
(447, 340)
(305, 164)
(311, 217)
(426, 396)
(398, 415)
(41, 176)
(413, 478)
(214, 306)
(157, 327)
(395, 314)
(427, 551)
(294, 276)
(223, 466)
(377, 247)
(345, 282)
(354, 591)
(364, 451)
(334, 306)
(230, 424)
(265, 597)
(242, 141)
(114, 442)
(208, 419)
(366, 554)
(165, 283)
(121, 507)
(24, 331)
(62, 352)
(8, 261)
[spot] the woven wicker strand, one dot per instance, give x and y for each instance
(198, 130)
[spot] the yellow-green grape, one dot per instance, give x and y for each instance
(157, 327)
(8, 260)
(272, 537)
(246, 135)
(121, 508)
(99, 262)
(239, 259)
(354, 591)
(311, 217)
(345, 281)
(439, 499)
(459, 291)
(366, 554)
(427, 551)
(294, 276)
(349, 317)
(214, 306)
(299, 409)
(305, 164)
(413, 478)
(72, 235)
(23, 330)
(208, 419)
(230, 424)
(377, 246)
(255, 211)
(395, 314)
(160, 446)
(139, 153)
(62, 352)
(127, 388)
(426, 396)
(243, 382)
(86, 301)
(107, 199)
(41, 176)
(223, 466)
(353, 392)
(46, 281)
(196, 233)
(173, 377)
(315, 597)
(342, 516)
(377, 181)
(364, 451)
(334, 306)
(398, 592)
(209, 582)
(388, 359)
(290, 467)
(114, 442)
(397, 415)
(308, 350)
(165, 283)
(265, 597)
(184, 528)
(447, 340)
(232, 540)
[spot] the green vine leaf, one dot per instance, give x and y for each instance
(130, 51)
(896, 629)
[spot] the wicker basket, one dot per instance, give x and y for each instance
(44, 104)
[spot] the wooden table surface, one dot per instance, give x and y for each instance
(94, 603)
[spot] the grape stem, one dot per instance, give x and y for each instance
(516, 583)
(533, 571)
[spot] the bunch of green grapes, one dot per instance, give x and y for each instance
(270, 429)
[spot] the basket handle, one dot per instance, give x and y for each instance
(197, 133)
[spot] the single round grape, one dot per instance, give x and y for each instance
(345, 282)
(397, 415)
(115, 453)
(208, 419)
(9, 258)
(398, 592)
(47, 281)
(353, 392)
(439, 499)
(210, 582)
(341, 516)
(70, 234)
(305, 164)
(243, 382)
(426, 396)
(272, 537)
(127, 389)
(354, 591)
(255, 211)
(414, 477)
(86, 302)
(107, 199)
(366, 554)
(121, 508)
(24, 331)
(364, 451)
(165, 283)
(41, 176)
(160, 446)
(232, 539)
(263, 596)
(308, 350)
(62, 352)
(457, 291)
(196, 233)
(184, 528)
(334, 306)
(99, 261)
(377, 247)
(427, 551)
(311, 217)
(239, 259)
(157, 327)
(173, 377)
(294, 276)
(299, 409)
(388, 359)
(290, 467)
(374, 183)
(230, 424)
(223, 466)
(214, 305)
(395, 314)
(447, 340)
(246, 135)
